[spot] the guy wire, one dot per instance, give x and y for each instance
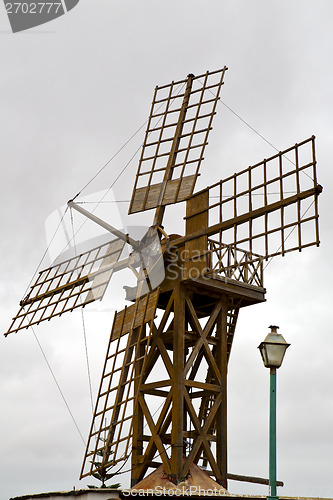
(57, 384)
(83, 326)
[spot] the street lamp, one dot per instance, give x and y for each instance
(272, 351)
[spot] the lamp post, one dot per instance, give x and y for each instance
(272, 351)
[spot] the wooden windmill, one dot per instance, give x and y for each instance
(163, 393)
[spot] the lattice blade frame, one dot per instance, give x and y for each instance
(68, 285)
(178, 126)
(111, 429)
(268, 209)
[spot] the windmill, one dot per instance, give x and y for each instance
(162, 399)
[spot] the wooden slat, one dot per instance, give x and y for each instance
(198, 246)
(132, 317)
(143, 201)
(104, 274)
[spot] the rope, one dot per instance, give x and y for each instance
(84, 187)
(255, 131)
(87, 361)
(124, 168)
(111, 201)
(248, 125)
(253, 194)
(110, 160)
(289, 234)
(57, 384)
(119, 150)
(260, 135)
(83, 327)
(47, 249)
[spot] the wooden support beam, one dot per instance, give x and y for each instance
(156, 438)
(251, 479)
(184, 433)
(178, 388)
(160, 429)
(137, 444)
(221, 421)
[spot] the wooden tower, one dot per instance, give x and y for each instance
(163, 393)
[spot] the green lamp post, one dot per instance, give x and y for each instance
(272, 351)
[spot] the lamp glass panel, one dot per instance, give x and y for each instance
(274, 354)
(263, 353)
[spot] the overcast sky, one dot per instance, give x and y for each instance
(72, 93)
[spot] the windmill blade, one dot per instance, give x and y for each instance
(268, 209)
(177, 133)
(68, 285)
(111, 429)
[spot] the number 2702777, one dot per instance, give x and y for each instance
(33, 7)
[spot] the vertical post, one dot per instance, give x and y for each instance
(272, 437)
(221, 423)
(177, 430)
(137, 442)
